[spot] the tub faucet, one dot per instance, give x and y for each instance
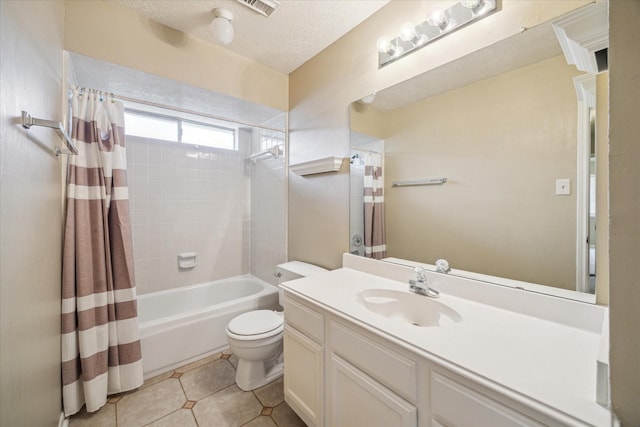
(420, 286)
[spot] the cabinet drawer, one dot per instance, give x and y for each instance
(304, 319)
(454, 404)
(358, 400)
(387, 366)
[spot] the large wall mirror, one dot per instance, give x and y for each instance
(503, 127)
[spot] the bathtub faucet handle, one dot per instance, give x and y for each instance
(277, 274)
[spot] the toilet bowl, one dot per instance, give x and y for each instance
(255, 337)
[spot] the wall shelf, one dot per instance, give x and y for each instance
(327, 164)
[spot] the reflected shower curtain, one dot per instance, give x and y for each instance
(100, 342)
(374, 235)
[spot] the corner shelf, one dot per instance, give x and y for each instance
(327, 164)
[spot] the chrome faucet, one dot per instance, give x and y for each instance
(420, 286)
(442, 266)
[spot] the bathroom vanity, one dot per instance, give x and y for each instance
(361, 350)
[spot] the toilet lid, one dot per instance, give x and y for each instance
(255, 322)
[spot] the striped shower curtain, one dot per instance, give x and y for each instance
(374, 235)
(100, 342)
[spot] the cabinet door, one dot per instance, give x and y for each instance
(454, 404)
(303, 376)
(358, 400)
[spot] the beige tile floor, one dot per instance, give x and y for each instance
(200, 394)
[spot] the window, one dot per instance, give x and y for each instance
(208, 135)
(150, 126)
(168, 128)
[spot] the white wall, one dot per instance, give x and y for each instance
(30, 214)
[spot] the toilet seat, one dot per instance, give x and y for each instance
(256, 324)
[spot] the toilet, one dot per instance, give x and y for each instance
(256, 336)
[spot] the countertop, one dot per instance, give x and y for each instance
(548, 365)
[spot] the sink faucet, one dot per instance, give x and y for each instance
(442, 266)
(420, 286)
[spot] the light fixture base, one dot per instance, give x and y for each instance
(223, 13)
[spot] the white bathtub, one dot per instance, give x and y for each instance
(181, 325)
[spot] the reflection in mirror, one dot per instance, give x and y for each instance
(501, 126)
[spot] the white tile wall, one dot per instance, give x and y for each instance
(268, 217)
(188, 199)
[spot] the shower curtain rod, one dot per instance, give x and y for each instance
(362, 150)
(187, 111)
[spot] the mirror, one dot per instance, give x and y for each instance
(500, 125)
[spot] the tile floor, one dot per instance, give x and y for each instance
(200, 394)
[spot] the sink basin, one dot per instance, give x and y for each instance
(407, 307)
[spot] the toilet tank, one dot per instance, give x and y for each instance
(295, 270)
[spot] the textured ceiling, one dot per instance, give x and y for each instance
(295, 32)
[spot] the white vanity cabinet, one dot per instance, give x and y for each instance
(341, 374)
(304, 369)
(368, 384)
(456, 404)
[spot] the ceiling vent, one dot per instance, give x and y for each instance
(263, 7)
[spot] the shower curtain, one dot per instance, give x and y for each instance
(100, 342)
(374, 234)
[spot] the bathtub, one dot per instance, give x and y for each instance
(179, 326)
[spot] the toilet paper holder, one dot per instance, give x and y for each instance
(187, 260)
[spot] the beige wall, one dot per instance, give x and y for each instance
(501, 142)
(30, 214)
(367, 120)
(322, 89)
(127, 39)
(624, 236)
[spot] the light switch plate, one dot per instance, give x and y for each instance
(563, 187)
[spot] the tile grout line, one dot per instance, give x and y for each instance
(187, 397)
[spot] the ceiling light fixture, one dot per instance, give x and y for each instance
(221, 26)
(439, 23)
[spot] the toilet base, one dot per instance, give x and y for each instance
(252, 375)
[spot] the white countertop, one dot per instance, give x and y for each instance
(551, 365)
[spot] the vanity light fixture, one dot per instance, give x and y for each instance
(221, 26)
(439, 23)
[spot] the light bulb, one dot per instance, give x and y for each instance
(408, 32)
(221, 26)
(384, 44)
(471, 4)
(438, 19)
(478, 7)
